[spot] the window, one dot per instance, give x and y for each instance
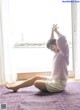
(28, 22)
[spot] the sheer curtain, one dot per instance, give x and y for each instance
(77, 42)
(1, 52)
(33, 19)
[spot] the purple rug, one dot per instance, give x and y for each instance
(32, 99)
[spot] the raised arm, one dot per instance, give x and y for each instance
(62, 44)
(52, 34)
(58, 33)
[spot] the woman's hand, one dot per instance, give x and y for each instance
(55, 27)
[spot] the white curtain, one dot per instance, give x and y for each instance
(1, 53)
(77, 43)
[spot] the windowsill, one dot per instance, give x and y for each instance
(23, 76)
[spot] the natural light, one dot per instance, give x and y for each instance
(31, 21)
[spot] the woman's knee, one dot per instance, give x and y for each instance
(37, 77)
(41, 77)
(36, 83)
(40, 85)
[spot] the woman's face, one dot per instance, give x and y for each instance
(54, 48)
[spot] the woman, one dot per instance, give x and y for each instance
(58, 79)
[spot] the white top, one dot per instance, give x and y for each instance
(61, 59)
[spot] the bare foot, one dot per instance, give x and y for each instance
(12, 86)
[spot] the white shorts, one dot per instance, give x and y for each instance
(55, 85)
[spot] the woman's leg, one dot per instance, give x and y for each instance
(41, 84)
(38, 81)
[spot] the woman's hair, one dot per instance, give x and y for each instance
(51, 42)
